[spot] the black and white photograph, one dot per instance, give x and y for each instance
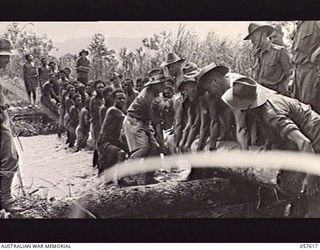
(160, 119)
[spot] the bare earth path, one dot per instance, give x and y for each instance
(52, 170)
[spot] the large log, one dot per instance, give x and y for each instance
(203, 198)
(166, 199)
(215, 195)
(267, 177)
(209, 198)
(287, 182)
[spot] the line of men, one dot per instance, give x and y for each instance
(77, 105)
(263, 113)
(36, 77)
(214, 104)
(97, 108)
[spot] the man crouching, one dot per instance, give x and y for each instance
(111, 149)
(143, 121)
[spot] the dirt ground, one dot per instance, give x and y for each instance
(56, 177)
(49, 170)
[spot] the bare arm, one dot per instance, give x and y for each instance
(156, 121)
(310, 184)
(94, 110)
(214, 122)
(102, 114)
(194, 130)
(303, 143)
(74, 116)
(187, 129)
(241, 129)
(53, 95)
(204, 125)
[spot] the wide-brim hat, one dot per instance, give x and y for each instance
(84, 51)
(253, 27)
(187, 78)
(156, 76)
(246, 93)
(212, 68)
(172, 58)
(190, 68)
(5, 47)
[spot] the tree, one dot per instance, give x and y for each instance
(69, 61)
(103, 60)
(26, 42)
(234, 53)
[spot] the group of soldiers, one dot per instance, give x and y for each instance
(180, 107)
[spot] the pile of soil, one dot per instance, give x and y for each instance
(25, 120)
(30, 121)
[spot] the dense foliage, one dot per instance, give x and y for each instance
(235, 53)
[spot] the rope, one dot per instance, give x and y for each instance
(232, 159)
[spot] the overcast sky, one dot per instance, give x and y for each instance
(61, 31)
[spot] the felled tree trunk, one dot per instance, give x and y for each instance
(209, 190)
(166, 199)
(287, 182)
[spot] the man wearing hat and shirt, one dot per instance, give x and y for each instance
(306, 61)
(174, 65)
(141, 118)
(9, 158)
(272, 67)
(285, 120)
(143, 121)
(83, 67)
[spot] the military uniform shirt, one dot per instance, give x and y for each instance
(306, 41)
(284, 115)
(83, 67)
(272, 65)
(143, 107)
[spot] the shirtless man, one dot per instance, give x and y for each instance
(111, 147)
